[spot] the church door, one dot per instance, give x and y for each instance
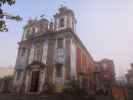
(35, 81)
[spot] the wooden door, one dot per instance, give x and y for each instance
(35, 81)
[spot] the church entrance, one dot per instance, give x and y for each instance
(35, 81)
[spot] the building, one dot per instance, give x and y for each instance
(129, 76)
(104, 76)
(51, 52)
(119, 90)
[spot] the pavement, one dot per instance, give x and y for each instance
(50, 97)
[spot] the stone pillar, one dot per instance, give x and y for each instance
(50, 60)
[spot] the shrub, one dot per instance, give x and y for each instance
(73, 88)
(6, 85)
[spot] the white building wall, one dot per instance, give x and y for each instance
(59, 58)
(31, 55)
(21, 60)
(73, 59)
(45, 51)
(18, 82)
(42, 79)
(27, 83)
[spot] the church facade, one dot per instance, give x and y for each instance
(51, 52)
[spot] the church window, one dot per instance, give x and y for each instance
(62, 22)
(27, 33)
(38, 53)
(60, 43)
(23, 51)
(104, 66)
(72, 24)
(19, 72)
(32, 30)
(59, 71)
(36, 29)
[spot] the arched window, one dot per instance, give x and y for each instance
(60, 43)
(23, 51)
(28, 32)
(62, 22)
(19, 73)
(59, 70)
(38, 52)
(31, 30)
(36, 29)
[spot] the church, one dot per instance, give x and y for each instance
(51, 52)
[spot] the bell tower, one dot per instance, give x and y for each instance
(65, 19)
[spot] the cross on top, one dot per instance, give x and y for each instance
(63, 3)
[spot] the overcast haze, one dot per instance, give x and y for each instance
(104, 26)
